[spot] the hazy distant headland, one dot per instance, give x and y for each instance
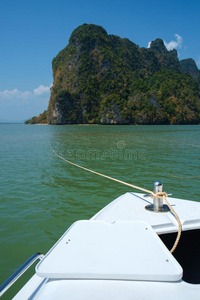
(104, 79)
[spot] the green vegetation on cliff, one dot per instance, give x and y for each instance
(101, 78)
(41, 119)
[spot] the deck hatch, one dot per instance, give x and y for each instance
(125, 250)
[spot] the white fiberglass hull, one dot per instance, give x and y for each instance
(118, 255)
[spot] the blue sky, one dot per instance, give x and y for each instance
(33, 32)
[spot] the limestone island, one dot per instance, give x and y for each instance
(105, 79)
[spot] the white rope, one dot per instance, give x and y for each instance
(153, 195)
(179, 225)
(102, 175)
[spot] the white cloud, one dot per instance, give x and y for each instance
(20, 105)
(149, 44)
(174, 44)
(15, 94)
(41, 90)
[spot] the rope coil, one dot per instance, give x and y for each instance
(153, 194)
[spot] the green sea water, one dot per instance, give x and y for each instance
(41, 195)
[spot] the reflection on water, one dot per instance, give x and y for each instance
(42, 195)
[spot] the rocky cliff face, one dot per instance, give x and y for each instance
(189, 67)
(101, 78)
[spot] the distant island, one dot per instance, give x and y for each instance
(105, 79)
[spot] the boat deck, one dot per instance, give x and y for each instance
(117, 255)
(131, 206)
